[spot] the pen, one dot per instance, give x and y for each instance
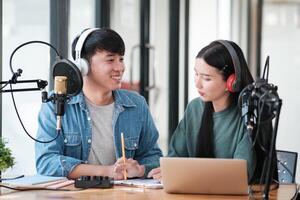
(123, 155)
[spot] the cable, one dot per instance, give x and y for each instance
(4, 85)
(261, 104)
(7, 179)
(266, 67)
(20, 120)
(260, 190)
(260, 107)
(24, 44)
(263, 100)
(296, 189)
(45, 188)
(37, 188)
(295, 196)
(14, 79)
(260, 110)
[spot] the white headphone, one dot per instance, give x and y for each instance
(81, 63)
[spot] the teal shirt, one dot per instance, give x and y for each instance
(230, 135)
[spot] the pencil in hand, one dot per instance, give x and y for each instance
(123, 155)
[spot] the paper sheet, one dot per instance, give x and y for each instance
(146, 183)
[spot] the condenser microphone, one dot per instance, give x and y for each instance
(68, 83)
(60, 98)
(258, 101)
(247, 109)
(64, 67)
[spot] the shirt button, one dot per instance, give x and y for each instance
(89, 119)
(89, 140)
(65, 140)
(135, 145)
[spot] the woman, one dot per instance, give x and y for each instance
(212, 126)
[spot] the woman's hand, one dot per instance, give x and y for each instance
(155, 174)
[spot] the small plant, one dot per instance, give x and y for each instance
(6, 159)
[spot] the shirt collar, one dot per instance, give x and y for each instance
(120, 96)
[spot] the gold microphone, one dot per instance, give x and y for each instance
(60, 90)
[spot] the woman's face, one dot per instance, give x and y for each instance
(209, 82)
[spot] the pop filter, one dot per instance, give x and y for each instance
(64, 67)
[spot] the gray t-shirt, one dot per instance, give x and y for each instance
(103, 148)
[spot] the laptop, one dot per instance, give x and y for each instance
(204, 175)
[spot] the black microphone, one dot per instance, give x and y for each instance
(266, 98)
(60, 98)
(248, 108)
(258, 100)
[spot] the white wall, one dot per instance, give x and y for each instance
(158, 97)
(126, 21)
(24, 21)
(125, 17)
(82, 14)
(203, 29)
(280, 40)
(20, 25)
(209, 20)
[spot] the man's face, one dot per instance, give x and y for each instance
(106, 70)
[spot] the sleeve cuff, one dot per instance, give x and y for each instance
(68, 164)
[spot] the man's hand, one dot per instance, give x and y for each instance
(133, 168)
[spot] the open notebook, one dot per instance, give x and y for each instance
(204, 176)
(39, 181)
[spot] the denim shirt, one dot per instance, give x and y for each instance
(130, 116)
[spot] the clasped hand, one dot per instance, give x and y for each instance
(132, 167)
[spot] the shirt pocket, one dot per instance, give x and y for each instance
(72, 144)
(131, 145)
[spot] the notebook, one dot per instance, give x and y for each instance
(204, 176)
(39, 181)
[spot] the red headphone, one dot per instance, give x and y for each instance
(230, 82)
(233, 82)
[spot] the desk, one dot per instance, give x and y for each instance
(130, 193)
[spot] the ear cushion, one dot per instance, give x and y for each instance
(230, 83)
(83, 66)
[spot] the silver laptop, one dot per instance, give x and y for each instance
(204, 176)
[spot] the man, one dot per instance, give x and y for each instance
(90, 142)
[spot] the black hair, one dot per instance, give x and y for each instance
(101, 39)
(217, 55)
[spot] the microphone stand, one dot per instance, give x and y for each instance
(41, 84)
(269, 161)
